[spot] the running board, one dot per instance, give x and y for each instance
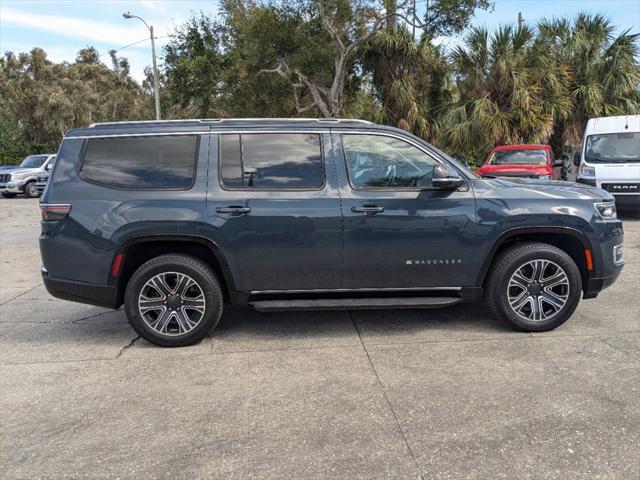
(354, 303)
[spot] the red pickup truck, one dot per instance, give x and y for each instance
(529, 161)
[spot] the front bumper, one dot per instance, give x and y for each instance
(595, 285)
(587, 181)
(16, 186)
(100, 295)
(604, 248)
(627, 200)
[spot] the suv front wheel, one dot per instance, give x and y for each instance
(173, 300)
(535, 286)
(30, 189)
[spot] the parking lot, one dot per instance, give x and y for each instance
(439, 394)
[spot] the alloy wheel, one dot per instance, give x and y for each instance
(538, 290)
(172, 303)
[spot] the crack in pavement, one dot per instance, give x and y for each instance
(384, 394)
(77, 321)
(21, 294)
(377, 345)
(622, 352)
(129, 345)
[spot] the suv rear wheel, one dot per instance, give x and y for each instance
(535, 286)
(173, 300)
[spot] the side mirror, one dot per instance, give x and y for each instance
(49, 167)
(576, 159)
(558, 162)
(445, 179)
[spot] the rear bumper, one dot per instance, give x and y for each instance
(100, 295)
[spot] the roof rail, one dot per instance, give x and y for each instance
(222, 120)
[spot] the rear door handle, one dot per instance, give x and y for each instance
(368, 209)
(233, 209)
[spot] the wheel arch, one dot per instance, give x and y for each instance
(139, 250)
(570, 240)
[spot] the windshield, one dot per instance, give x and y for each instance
(613, 148)
(33, 161)
(515, 157)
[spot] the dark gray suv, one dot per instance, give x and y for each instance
(175, 219)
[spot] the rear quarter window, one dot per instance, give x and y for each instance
(165, 162)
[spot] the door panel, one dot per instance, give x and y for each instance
(407, 238)
(288, 239)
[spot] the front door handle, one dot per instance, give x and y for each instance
(367, 209)
(233, 209)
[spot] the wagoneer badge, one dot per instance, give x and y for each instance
(434, 261)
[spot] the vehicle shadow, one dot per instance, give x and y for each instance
(471, 319)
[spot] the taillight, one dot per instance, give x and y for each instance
(53, 212)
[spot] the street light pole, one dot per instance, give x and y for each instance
(156, 91)
(155, 74)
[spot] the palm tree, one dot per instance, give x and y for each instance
(508, 92)
(604, 73)
(411, 80)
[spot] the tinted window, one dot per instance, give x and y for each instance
(33, 161)
(514, 157)
(272, 161)
(231, 156)
(163, 162)
(379, 161)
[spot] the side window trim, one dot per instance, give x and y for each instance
(384, 189)
(83, 151)
(269, 189)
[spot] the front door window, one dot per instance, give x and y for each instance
(375, 161)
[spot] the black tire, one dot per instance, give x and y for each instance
(30, 189)
(8, 194)
(169, 266)
(498, 289)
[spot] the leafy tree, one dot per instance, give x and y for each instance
(447, 17)
(45, 99)
(193, 67)
(12, 144)
(348, 25)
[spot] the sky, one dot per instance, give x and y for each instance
(62, 28)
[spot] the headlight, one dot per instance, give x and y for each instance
(606, 210)
(587, 171)
(544, 177)
(19, 176)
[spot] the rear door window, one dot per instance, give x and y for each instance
(166, 162)
(271, 161)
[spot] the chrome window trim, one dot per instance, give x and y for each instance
(152, 134)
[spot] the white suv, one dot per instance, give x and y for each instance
(22, 179)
